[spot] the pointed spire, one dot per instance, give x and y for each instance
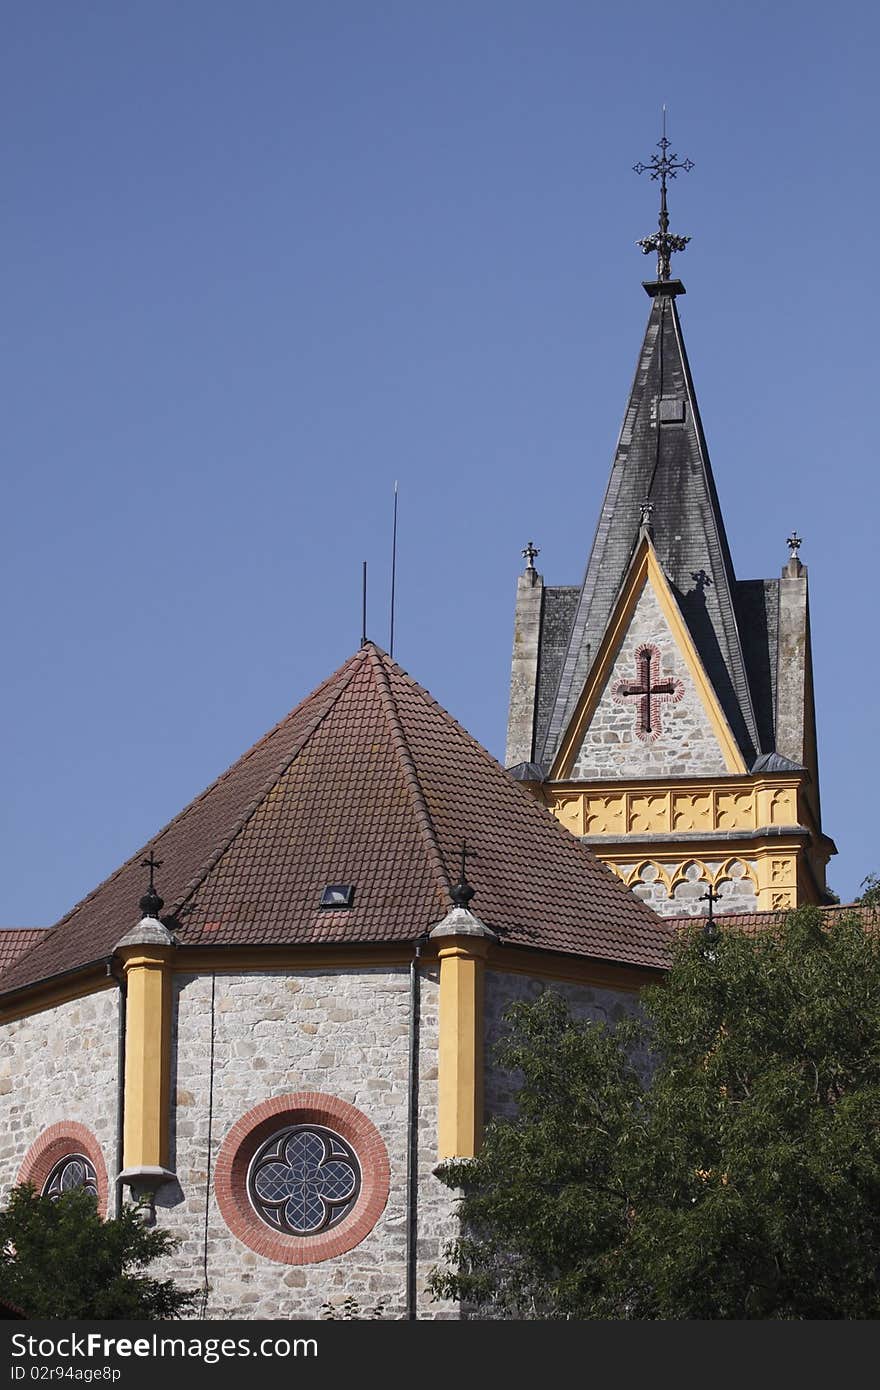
(663, 166)
(661, 461)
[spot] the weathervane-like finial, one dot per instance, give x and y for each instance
(663, 166)
(151, 904)
(462, 893)
(710, 931)
(530, 554)
(794, 544)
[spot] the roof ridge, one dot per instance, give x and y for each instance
(256, 802)
(740, 679)
(643, 470)
(408, 767)
(191, 805)
(542, 812)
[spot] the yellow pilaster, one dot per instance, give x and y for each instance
(778, 877)
(147, 1056)
(462, 972)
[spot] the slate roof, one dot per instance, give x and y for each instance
(367, 782)
(666, 464)
(558, 610)
(14, 941)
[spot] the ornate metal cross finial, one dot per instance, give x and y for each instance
(152, 864)
(663, 166)
(794, 544)
(463, 892)
(530, 554)
(151, 904)
(710, 931)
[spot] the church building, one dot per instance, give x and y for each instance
(663, 709)
(279, 1054)
(277, 1019)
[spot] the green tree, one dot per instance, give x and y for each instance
(58, 1259)
(741, 1179)
(871, 891)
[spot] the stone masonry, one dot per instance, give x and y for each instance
(344, 1033)
(54, 1066)
(686, 747)
(676, 890)
(503, 988)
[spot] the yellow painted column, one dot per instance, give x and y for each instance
(462, 972)
(147, 966)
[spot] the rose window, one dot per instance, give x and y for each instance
(70, 1172)
(304, 1180)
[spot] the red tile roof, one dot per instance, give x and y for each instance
(751, 922)
(14, 941)
(367, 782)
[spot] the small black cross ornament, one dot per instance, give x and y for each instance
(152, 864)
(462, 893)
(710, 931)
(151, 904)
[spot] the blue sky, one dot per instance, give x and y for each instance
(261, 260)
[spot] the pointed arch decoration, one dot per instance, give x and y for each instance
(635, 874)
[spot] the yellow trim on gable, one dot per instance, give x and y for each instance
(645, 569)
(680, 631)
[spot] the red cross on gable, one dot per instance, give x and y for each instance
(650, 690)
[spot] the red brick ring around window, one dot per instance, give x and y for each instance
(258, 1125)
(67, 1137)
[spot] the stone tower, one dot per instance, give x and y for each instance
(663, 709)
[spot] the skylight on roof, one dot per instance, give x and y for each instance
(337, 895)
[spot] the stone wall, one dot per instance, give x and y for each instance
(344, 1033)
(585, 1001)
(686, 745)
(677, 890)
(55, 1066)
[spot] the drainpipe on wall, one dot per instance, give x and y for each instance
(412, 1136)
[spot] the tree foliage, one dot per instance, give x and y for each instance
(741, 1179)
(58, 1259)
(871, 894)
